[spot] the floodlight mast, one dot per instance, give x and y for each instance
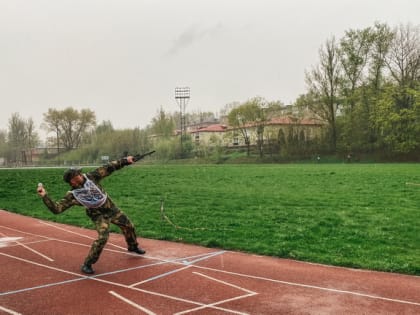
(182, 96)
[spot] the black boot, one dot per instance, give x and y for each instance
(87, 269)
(137, 250)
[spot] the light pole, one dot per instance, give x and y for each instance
(182, 96)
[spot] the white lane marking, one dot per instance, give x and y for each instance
(209, 255)
(296, 284)
(9, 311)
(250, 293)
(214, 305)
(250, 276)
(16, 240)
(94, 278)
(183, 261)
(23, 232)
(159, 276)
(225, 283)
(141, 308)
(34, 251)
(79, 234)
(5, 241)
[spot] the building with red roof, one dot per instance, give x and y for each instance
(277, 129)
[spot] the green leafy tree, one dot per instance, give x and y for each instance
(104, 127)
(399, 127)
(396, 115)
(366, 132)
(382, 38)
(246, 116)
(354, 57)
(354, 51)
(163, 124)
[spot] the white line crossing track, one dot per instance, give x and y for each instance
(40, 274)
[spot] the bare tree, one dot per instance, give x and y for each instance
(32, 138)
(323, 82)
(52, 122)
(69, 125)
(21, 138)
(16, 137)
(403, 59)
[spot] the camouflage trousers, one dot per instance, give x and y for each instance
(102, 224)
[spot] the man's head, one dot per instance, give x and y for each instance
(71, 173)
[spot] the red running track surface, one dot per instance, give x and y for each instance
(40, 274)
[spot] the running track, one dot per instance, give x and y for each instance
(40, 263)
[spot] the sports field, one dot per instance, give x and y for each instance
(355, 215)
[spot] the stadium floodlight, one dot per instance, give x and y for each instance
(182, 93)
(182, 96)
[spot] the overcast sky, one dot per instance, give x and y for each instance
(123, 58)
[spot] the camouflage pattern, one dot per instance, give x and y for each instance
(103, 216)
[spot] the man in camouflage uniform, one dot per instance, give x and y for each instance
(86, 191)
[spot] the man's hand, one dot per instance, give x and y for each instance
(41, 190)
(130, 159)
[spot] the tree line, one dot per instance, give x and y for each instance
(365, 89)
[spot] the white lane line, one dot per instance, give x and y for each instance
(183, 261)
(27, 247)
(225, 283)
(177, 261)
(6, 240)
(200, 256)
(30, 242)
(80, 276)
(23, 232)
(95, 278)
(46, 238)
(79, 234)
(251, 276)
(214, 305)
(141, 308)
(170, 297)
(9, 311)
(250, 293)
(296, 284)
(34, 251)
(159, 276)
(209, 255)
(41, 265)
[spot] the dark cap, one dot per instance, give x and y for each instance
(70, 173)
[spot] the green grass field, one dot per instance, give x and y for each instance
(355, 215)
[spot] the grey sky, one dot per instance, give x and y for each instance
(123, 58)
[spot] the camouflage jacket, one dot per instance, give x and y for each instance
(108, 208)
